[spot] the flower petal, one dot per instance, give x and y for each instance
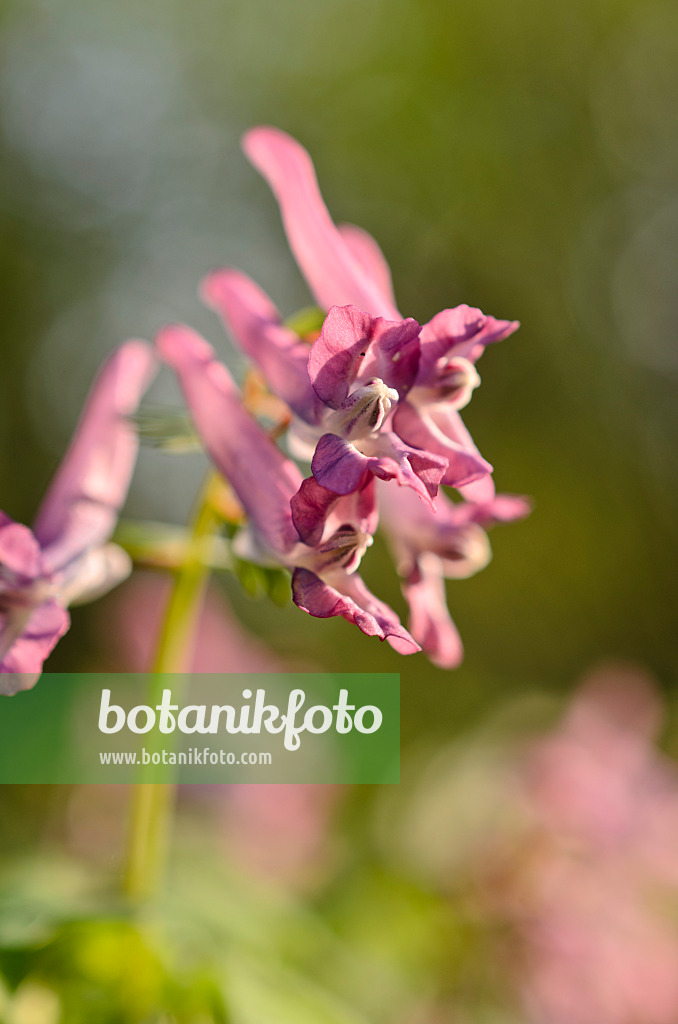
(503, 508)
(20, 552)
(261, 476)
(370, 257)
(22, 663)
(353, 345)
(328, 263)
(81, 506)
(339, 466)
(257, 327)
(441, 431)
(310, 507)
(482, 490)
(350, 598)
(462, 331)
(313, 504)
(430, 622)
(94, 574)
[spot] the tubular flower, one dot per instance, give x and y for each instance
(319, 535)
(66, 559)
(344, 265)
(375, 395)
(431, 547)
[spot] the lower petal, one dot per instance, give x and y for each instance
(430, 622)
(22, 664)
(353, 602)
(313, 505)
(340, 467)
(442, 433)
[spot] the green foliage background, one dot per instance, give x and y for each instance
(519, 157)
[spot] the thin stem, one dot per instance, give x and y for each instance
(155, 792)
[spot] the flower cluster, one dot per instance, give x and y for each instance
(373, 402)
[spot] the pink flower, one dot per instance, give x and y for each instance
(323, 541)
(429, 547)
(220, 644)
(344, 265)
(65, 558)
(342, 392)
(281, 832)
(376, 396)
(593, 875)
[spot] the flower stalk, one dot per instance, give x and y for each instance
(154, 794)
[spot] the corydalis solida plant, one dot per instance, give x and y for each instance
(375, 397)
(374, 400)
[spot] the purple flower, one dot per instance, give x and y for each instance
(360, 368)
(451, 343)
(430, 547)
(65, 558)
(342, 392)
(344, 265)
(371, 395)
(316, 533)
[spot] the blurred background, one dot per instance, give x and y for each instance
(521, 158)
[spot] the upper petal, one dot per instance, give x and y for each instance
(349, 597)
(334, 274)
(368, 253)
(81, 506)
(462, 331)
(353, 345)
(257, 327)
(261, 476)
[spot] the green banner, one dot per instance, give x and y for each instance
(203, 728)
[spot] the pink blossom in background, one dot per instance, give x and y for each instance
(281, 832)
(220, 644)
(591, 889)
(66, 558)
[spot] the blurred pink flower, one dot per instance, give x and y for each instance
(281, 832)
(592, 887)
(66, 559)
(220, 644)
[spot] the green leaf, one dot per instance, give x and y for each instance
(306, 321)
(171, 430)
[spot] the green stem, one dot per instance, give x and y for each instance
(155, 792)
